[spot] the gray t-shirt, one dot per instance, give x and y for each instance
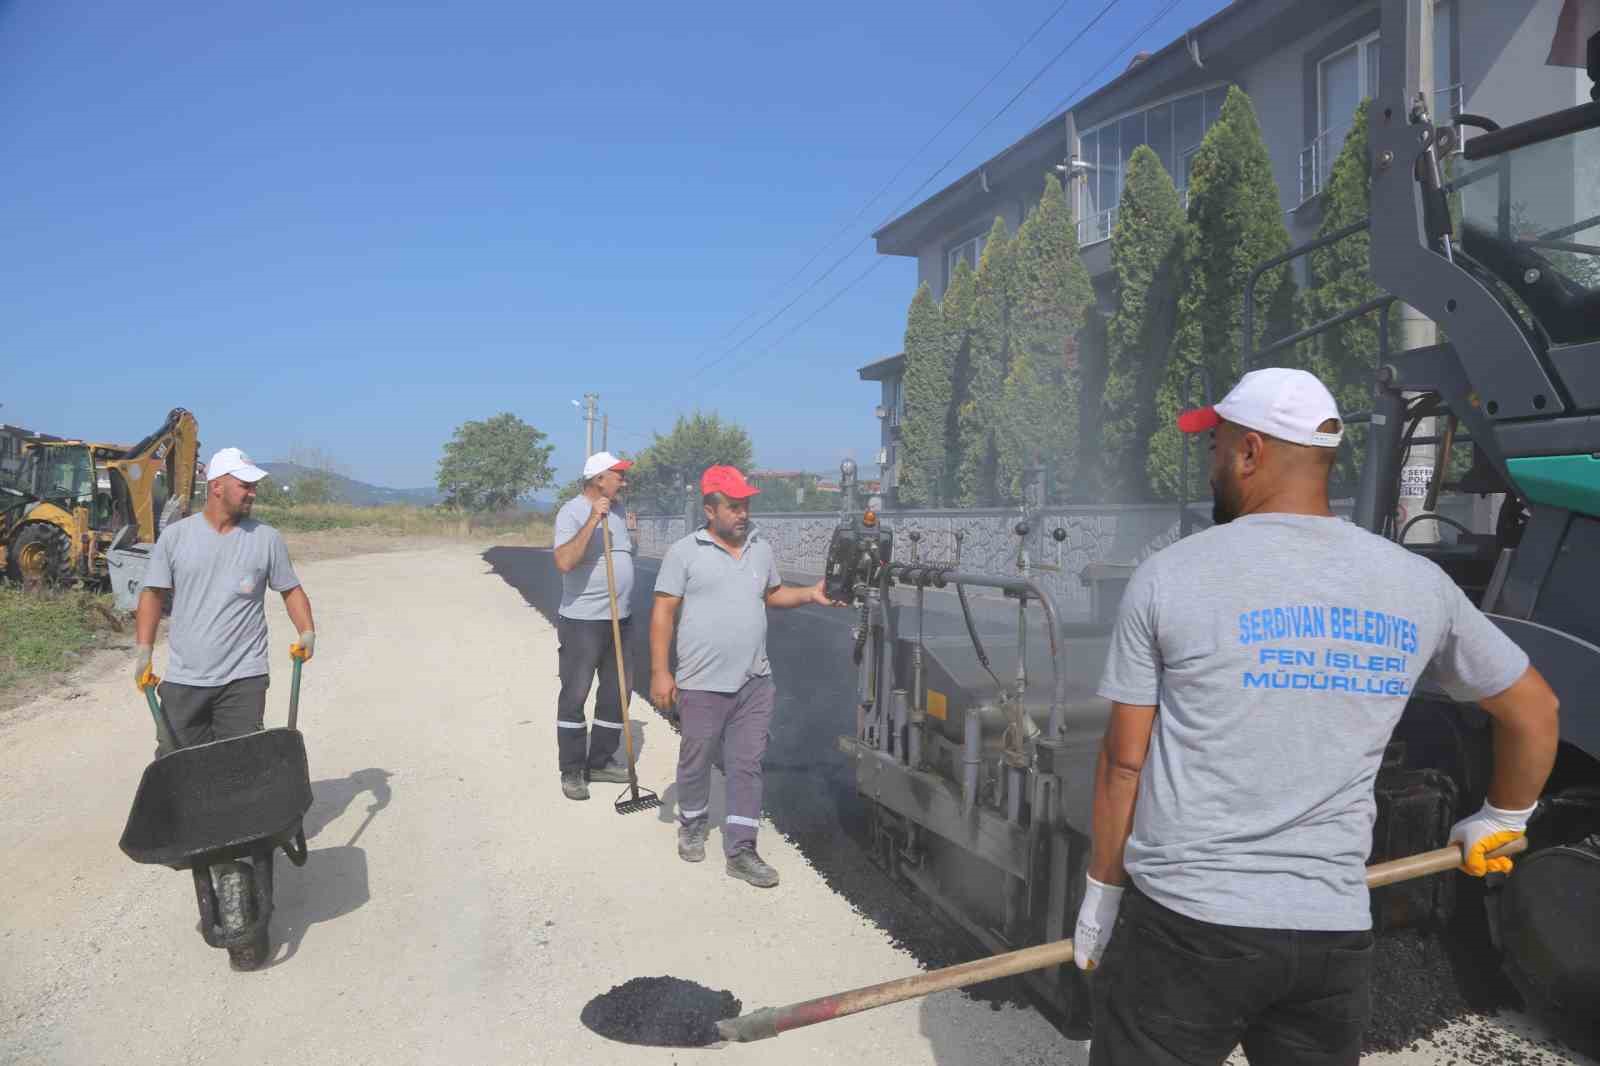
(583, 588)
(1280, 651)
(219, 581)
(722, 630)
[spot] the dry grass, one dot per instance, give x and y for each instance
(407, 521)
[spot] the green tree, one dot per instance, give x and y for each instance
(682, 455)
(1341, 279)
(792, 493)
(927, 402)
(989, 360)
(960, 299)
(1235, 221)
(1146, 257)
(490, 465)
(1039, 410)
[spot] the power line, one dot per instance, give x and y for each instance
(862, 210)
(1071, 97)
(914, 192)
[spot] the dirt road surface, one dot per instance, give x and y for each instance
(455, 908)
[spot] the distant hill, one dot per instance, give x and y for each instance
(349, 490)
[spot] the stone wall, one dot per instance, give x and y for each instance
(1107, 534)
(989, 544)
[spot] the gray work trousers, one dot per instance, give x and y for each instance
(202, 713)
(737, 724)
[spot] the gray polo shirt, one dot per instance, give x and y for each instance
(583, 588)
(722, 629)
(1280, 651)
(219, 581)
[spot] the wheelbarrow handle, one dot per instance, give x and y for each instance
(294, 693)
(162, 724)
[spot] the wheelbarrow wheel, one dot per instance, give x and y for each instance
(236, 910)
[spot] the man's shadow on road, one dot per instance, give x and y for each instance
(333, 882)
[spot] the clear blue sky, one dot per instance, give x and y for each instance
(353, 225)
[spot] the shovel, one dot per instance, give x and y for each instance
(770, 1021)
(636, 799)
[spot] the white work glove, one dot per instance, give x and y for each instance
(142, 677)
(1485, 831)
(305, 647)
(1096, 920)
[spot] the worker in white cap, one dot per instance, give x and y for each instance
(218, 565)
(583, 624)
(1256, 673)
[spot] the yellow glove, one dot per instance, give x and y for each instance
(142, 677)
(1485, 831)
(305, 646)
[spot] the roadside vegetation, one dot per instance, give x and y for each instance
(43, 632)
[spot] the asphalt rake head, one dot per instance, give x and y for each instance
(636, 799)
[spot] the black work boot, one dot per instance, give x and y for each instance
(692, 840)
(573, 786)
(746, 865)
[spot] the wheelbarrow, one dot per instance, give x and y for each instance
(209, 807)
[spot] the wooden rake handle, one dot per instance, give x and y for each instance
(770, 1021)
(616, 645)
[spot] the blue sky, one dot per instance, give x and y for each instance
(354, 226)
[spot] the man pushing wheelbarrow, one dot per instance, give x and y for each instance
(221, 788)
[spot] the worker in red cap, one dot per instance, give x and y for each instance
(723, 576)
(1256, 673)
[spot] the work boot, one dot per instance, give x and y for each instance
(610, 773)
(746, 865)
(692, 840)
(572, 785)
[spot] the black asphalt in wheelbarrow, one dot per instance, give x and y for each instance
(219, 798)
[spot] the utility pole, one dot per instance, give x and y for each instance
(605, 433)
(590, 400)
(1416, 329)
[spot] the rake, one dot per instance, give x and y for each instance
(636, 799)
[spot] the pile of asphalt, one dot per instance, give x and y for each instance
(660, 1012)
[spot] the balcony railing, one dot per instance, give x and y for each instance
(1317, 158)
(1097, 226)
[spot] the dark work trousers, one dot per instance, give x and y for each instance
(1173, 991)
(202, 713)
(585, 652)
(736, 724)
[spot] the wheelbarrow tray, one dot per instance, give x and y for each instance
(212, 799)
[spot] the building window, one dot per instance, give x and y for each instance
(1349, 76)
(1172, 128)
(969, 251)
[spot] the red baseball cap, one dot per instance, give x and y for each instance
(728, 481)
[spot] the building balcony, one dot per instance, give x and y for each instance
(1317, 158)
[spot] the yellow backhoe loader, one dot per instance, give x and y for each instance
(73, 501)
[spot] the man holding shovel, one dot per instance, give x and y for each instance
(724, 576)
(218, 565)
(583, 624)
(1256, 673)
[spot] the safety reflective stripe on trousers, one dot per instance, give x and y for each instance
(606, 724)
(734, 819)
(569, 725)
(691, 815)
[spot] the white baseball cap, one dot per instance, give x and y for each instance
(600, 462)
(233, 461)
(1280, 402)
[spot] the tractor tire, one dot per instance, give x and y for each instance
(40, 554)
(236, 910)
(1550, 928)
